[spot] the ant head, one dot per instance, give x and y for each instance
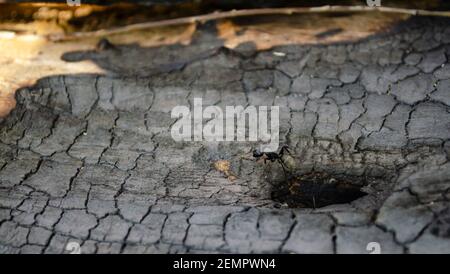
(257, 153)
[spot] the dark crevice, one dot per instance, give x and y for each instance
(319, 189)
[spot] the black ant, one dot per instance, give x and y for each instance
(273, 156)
(105, 44)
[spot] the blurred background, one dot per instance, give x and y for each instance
(94, 14)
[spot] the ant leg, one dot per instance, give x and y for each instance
(282, 165)
(286, 148)
(281, 159)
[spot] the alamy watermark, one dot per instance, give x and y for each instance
(374, 248)
(370, 3)
(373, 3)
(73, 247)
(236, 123)
(73, 3)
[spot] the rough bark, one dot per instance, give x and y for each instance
(90, 158)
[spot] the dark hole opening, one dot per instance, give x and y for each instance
(317, 189)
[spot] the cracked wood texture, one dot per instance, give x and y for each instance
(89, 157)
